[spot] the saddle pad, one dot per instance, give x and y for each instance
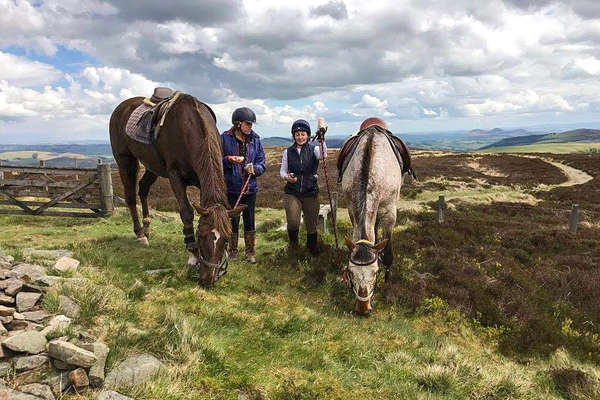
(132, 129)
(398, 146)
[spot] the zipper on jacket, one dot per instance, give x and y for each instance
(302, 174)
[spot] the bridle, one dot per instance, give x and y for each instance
(347, 272)
(218, 270)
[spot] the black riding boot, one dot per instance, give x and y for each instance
(311, 242)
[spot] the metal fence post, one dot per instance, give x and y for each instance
(574, 220)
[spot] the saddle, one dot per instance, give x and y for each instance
(398, 146)
(146, 120)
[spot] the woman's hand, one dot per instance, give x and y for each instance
(235, 159)
(291, 178)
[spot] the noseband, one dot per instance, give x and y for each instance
(350, 275)
(221, 268)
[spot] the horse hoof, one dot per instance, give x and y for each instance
(144, 240)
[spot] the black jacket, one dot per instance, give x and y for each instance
(304, 166)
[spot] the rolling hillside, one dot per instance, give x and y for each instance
(577, 135)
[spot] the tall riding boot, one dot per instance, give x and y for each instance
(249, 238)
(311, 242)
(233, 246)
(292, 250)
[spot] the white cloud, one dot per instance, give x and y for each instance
(20, 71)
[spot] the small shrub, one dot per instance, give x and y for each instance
(575, 384)
(436, 378)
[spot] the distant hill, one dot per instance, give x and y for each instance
(276, 141)
(497, 133)
(576, 135)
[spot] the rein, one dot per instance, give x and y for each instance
(333, 220)
(242, 192)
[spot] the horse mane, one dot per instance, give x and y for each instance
(220, 218)
(363, 183)
(210, 158)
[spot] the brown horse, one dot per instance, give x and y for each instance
(188, 153)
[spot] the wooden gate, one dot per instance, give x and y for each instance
(34, 190)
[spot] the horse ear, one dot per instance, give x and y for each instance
(381, 245)
(199, 209)
(349, 244)
(236, 211)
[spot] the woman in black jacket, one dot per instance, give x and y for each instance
(301, 193)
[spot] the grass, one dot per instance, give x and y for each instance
(557, 148)
(273, 331)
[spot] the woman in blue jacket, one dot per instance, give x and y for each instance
(243, 157)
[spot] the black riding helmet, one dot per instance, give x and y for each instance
(300, 125)
(243, 114)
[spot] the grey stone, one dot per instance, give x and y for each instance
(49, 280)
(47, 254)
(26, 301)
(12, 287)
(6, 319)
(36, 316)
(3, 330)
(5, 368)
(63, 366)
(25, 363)
(69, 307)
(111, 395)
(6, 300)
(134, 370)
(38, 389)
(96, 373)
(31, 342)
(66, 264)
(71, 354)
(18, 315)
(29, 287)
(58, 382)
(22, 325)
(6, 393)
(56, 323)
(29, 272)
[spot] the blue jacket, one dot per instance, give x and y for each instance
(235, 175)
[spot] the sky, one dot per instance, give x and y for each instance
(421, 65)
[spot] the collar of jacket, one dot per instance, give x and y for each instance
(253, 135)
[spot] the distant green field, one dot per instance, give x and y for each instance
(545, 148)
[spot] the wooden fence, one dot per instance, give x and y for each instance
(34, 190)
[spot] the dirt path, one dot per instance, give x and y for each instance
(574, 176)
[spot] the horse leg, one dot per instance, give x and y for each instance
(145, 183)
(186, 213)
(387, 256)
(128, 169)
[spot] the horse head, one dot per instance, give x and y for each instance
(362, 271)
(214, 230)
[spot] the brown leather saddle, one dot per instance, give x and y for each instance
(398, 146)
(146, 120)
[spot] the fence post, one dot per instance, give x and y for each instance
(441, 206)
(574, 220)
(334, 200)
(106, 189)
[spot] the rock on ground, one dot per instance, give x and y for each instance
(25, 363)
(30, 271)
(57, 322)
(38, 389)
(69, 307)
(110, 395)
(31, 342)
(26, 300)
(79, 378)
(6, 393)
(132, 371)
(71, 354)
(96, 373)
(47, 254)
(66, 264)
